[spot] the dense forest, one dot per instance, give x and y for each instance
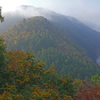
(50, 45)
(39, 62)
(24, 78)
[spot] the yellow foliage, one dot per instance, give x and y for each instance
(38, 76)
(32, 99)
(36, 87)
(8, 96)
(51, 70)
(41, 34)
(64, 80)
(19, 97)
(15, 42)
(67, 98)
(39, 65)
(23, 81)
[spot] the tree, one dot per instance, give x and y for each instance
(96, 79)
(2, 64)
(1, 18)
(2, 60)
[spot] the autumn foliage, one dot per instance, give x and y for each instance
(51, 45)
(27, 79)
(24, 78)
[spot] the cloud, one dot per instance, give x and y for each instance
(82, 10)
(85, 10)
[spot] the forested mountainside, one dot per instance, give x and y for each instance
(81, 34)
(51, 45)
(25, 76)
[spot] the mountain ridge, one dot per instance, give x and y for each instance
(51, 45)
(82, 35)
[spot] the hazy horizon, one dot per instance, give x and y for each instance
(85, 10)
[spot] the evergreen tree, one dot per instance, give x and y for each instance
(2, 60)
(1, 18)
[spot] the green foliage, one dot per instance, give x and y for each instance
(96, 79)
(2, 52)
(53, 57)
(2, 64)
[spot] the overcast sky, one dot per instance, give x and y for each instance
(84, 10)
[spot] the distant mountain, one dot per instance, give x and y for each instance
(24, 11)
(51, 45)
(9, 20)
(81, 34)
(93, 26)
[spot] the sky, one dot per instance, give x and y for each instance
(84, 10)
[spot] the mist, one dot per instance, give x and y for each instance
(89, 16)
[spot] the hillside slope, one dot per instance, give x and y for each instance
(81, 34)
(51, 45)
